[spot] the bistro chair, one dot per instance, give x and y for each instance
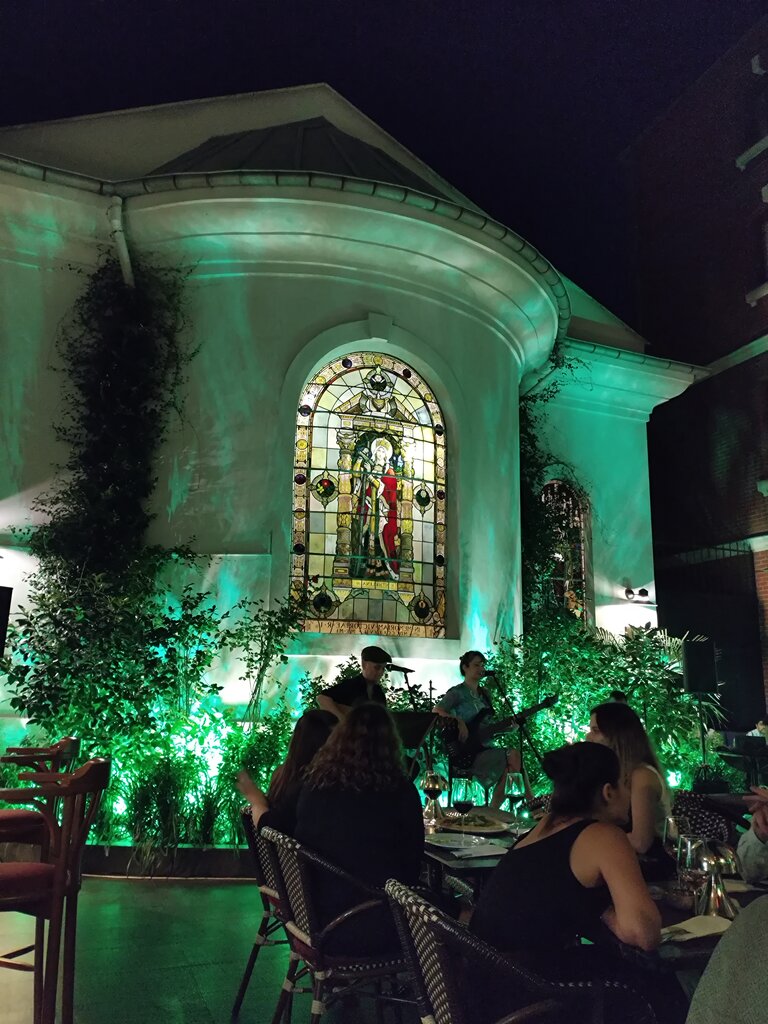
(443, 953)
(273, 914)
(334, 975)
(48, 890)
(22, 824)
(704, 821)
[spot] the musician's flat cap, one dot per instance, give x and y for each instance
(375, 654)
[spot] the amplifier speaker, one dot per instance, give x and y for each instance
(699, 668)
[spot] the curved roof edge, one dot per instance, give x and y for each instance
(304, 179)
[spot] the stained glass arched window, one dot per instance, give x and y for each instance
(569, 559)
(369, 500)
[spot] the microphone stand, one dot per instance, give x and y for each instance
(411, 695)
(521, 726)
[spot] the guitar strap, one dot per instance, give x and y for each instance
(485, 693)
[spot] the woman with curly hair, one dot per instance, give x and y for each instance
(359, 809)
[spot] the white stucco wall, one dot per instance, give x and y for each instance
(596, 428)
(280, 282)
(278, 286)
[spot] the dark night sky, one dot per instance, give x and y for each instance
(525, 105)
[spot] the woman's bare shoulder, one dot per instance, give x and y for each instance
(646, 777)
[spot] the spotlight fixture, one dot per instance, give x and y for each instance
(629, 594)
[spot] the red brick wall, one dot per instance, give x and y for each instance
(698, 218)
(761, 581)
(708, 449)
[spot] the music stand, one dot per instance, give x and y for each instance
(414, 727)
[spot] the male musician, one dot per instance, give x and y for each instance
(339, 699)
(463, 703)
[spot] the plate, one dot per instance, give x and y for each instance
(446, 839)
(485, 827)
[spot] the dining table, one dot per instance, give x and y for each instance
(672, 955)
(459, 860)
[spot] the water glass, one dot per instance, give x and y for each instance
(674, 827)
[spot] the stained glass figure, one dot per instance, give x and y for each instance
(370, 451)
(569, 562)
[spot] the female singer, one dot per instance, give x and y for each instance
(463, 703)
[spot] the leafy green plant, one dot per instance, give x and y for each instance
(581, 666)
(260, 635)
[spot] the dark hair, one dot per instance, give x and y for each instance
(618, 696)
(363, 753)
(579, 773)
(626, 737)
(465, 659)
(309, 734)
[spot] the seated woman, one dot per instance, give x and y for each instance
(617, 726)
(464, 703)
(359, 809)
(277, 808)
(571, 877)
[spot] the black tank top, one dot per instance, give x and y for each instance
(534, 901)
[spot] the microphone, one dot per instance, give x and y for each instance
(490, 672)
(399, 668)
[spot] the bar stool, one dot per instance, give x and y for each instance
(47, 890)
(23, 825)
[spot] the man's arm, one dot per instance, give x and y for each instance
(753, 848)
(338, 699)
(326, 703)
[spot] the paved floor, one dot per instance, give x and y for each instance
(161, 952)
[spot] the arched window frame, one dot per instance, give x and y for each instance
(571, 577)
(330, 591)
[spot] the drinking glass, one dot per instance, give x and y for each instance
(464, 796)
(514, 789)
(692, 855)
(432, 786)
(674, 827)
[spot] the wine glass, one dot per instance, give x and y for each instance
(464, 797)
(674, 827)
(514, 789)
(432, 786)
(692, 856)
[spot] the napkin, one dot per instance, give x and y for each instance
(736, 885)
(481, 850)
(695, 928)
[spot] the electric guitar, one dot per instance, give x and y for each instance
(482, 729)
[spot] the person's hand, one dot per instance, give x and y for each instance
(246, 785)
(760, 823)
(463, 730)
(757, 798)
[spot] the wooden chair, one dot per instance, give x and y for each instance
(333, 974)
(273, 914)
(21, 824)
(454, 971)
(48, 890)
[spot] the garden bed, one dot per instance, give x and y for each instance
(183, 862)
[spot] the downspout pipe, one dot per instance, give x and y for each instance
(115, 217)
